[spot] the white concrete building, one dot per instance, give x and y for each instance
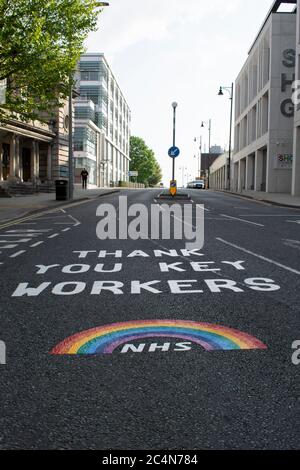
(218, 172)
(264, 111)
(102, 123)
(296, 153)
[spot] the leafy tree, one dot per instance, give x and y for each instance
(143, 160)
(156, 176)
(40, 44)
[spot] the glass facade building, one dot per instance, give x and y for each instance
(102, 104)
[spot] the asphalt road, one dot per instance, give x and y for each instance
(158, 389)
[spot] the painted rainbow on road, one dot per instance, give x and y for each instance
(105, 339)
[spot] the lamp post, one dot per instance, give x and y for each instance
(73, 94)
(200, 154)
(230, 91)
(183, 169)
(203, 124)
(174, 106)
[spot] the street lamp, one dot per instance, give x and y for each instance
(183, 169)
(230, 91)
(203, 124)
(174, 106)
(200, 154)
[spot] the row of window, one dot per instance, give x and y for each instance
(253, 125)
(255, 76)
(115, 93)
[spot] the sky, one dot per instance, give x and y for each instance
(162, 51)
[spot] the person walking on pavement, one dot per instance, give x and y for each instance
(84, 177)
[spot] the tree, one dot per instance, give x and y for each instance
(40, 44)
(143, 160)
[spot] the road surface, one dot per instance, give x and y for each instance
(150, 384)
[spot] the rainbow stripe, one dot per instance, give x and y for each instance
(105, 339)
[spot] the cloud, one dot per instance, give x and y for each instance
(134, 21)
(183, 50)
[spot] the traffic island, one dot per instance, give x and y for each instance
(179, 197)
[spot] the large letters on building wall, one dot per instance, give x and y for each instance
(287, 80)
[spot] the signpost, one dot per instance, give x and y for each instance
(174, 152)
(133, 174)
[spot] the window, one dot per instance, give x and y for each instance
(86, 75)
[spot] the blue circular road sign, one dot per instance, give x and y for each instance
(174, 152)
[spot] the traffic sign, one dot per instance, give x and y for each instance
(173, 187)
(133, 173)
(174, 152)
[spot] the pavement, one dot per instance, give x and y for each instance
(20, 206)
(279, 199)
(142, 378)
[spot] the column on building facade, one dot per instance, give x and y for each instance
(33, 161)
(258, 170)
(239, 176)
(235, 176)
(49, 162)
(296, 164)
(37, 144)
(17, 158)
(249, 172)
(12, 156)
(243, 173)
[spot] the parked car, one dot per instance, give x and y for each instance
(197, 184)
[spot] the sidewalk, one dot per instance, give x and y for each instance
(19, 206)
(278, 199)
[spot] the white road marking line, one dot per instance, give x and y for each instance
(22, 240)
(54, 235)
(29, 230)
(293, 221)
(11, 235)
(36, 244)
(263, 258)
(269, 215)
(75, 220)
(17, 254)
(8, 247)
(242, 220)
(295, 242)
(66, 229)
(53, 218)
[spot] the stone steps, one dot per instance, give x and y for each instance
(28, 189)
(4, 193)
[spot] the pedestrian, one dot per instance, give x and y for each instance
(84, 177)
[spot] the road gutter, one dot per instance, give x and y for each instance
(254, 199)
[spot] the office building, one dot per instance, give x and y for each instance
(264, 111)
(102, 123)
